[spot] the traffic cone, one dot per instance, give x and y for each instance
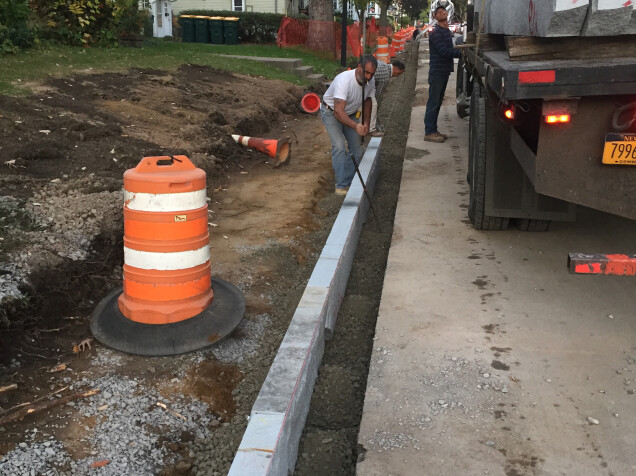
(279, 150)
(310, 103)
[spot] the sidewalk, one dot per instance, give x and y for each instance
(488, 357)
(397, 417)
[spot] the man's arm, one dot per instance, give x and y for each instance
(345, 120)
(443, 45)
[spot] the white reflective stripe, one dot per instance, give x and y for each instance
(165, 202)
(166, 261)
(570, 4)
(241, 139)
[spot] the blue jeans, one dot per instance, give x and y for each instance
(436, 90)
(340, 159)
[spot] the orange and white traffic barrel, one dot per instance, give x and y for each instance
(169, 298)
(382, 53)
(398, 41)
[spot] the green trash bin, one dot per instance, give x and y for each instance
(187, 28)
(216, 30)
(201, 29)
(230, 30)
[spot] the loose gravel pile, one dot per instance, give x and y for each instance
(59, 222)
(120, 435)
(126, 425)
(123, 425)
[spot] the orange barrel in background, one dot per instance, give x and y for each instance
(382, 53)
(405, 36)
(398, 41)
(169, 302)
(167, 269)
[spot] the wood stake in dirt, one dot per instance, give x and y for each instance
(13, 386)
(178, 415)
(32, 408)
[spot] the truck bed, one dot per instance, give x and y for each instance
(555, 78)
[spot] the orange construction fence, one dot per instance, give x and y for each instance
(327, 36)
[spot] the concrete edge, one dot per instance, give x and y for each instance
(270, 442)
(286, 64)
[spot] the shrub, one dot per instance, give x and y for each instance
(252, 28)
(128, 19)
(85, 22)
(15, 32)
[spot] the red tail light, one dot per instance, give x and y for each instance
(556, 119)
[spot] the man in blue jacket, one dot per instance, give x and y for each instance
(441, 66)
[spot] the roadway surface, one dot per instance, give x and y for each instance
(489, 358)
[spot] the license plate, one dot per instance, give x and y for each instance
(620, 149)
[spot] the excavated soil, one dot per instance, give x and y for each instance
(64, 151)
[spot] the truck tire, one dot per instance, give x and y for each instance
(477, 166)
(531, 224)
(462, 109)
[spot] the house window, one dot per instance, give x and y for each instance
(144, 4)
(238, 5)
(158, 15)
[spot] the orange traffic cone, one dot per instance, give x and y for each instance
(279, 150)
(310, 103)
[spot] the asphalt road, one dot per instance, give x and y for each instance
(489, 358)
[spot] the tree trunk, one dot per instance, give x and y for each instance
(321, 31)
(321, 10)
(384, 6)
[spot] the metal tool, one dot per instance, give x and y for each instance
(355, 164)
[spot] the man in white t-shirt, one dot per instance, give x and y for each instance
(339, 113)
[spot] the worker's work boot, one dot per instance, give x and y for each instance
(443, 135)
(342, 191)
(434, 137)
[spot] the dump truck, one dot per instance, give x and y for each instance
(550, 91)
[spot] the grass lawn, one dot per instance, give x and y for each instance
(35, 65)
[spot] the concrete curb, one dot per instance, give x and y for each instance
(270, 442)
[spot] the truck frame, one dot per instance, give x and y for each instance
(542, 130)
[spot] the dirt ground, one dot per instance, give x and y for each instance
(64, 151)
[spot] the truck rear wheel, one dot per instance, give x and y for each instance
(530, 224)
(477, 166)
(461, 89)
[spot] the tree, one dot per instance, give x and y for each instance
(321, 33)
(384, 6)
(413, 8)
(460, 10)
(321, 10)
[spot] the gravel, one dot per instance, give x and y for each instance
(122, 435)
(123, 425)
(59, 222)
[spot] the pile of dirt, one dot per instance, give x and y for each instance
(67, 147)
(64, 152)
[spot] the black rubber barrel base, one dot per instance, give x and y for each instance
(113, 329)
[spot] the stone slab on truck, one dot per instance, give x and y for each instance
(552, 109)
